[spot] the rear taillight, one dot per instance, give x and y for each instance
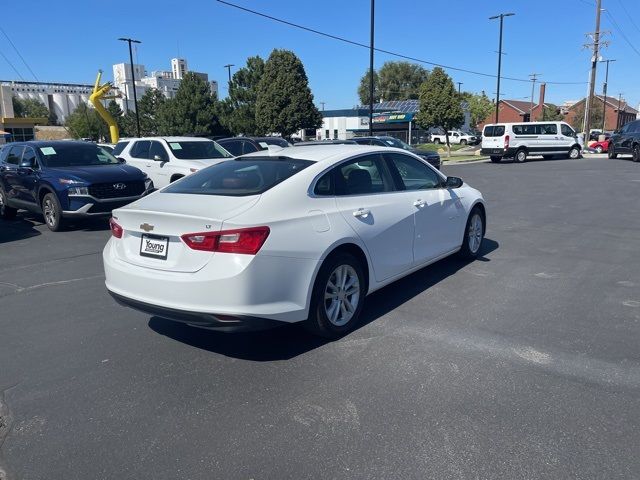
(116, 230)
(506, 142)
(243, 240)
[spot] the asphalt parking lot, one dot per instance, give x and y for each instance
(524, 364)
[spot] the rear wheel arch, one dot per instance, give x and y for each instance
(355, 251)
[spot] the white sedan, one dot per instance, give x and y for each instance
(288, 236)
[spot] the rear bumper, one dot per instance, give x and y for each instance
(497, 152)
(223, 323)
(260, 287)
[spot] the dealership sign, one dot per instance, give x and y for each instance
(392, 117)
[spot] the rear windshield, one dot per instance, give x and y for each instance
(119, 148)
(493, 131)
(75, 155)
(239, 178)
(198, 150)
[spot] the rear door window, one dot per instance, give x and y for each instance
(526, 129)
(119, 148)
(234, 147)
(15, 154)
(248, 147)
(239, 178)
(493, 131)
(362, 176)
(549, 129)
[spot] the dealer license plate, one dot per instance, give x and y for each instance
(154, 246)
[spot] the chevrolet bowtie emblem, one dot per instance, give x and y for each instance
(146, 227)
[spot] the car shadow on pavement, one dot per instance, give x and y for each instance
(18, 229)
(288, 341)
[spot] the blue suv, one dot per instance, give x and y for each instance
(65, 180)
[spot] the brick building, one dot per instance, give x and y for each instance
(618, 113)
(511, 111)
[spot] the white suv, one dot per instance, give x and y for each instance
(166, 159)
(519, 140)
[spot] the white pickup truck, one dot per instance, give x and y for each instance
(456, 137)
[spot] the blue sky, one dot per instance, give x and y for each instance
(69, 41)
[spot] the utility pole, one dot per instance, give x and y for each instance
(618, 117)
(133, 81)
(373, 8)
(534, 77)
(604, 95)
(459, 83)
(594, 64)
(501, 17)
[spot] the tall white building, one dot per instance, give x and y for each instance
(178, 68)
(166, 82)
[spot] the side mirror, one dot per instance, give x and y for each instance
(158, 158)
(121, 160)
(453, 182)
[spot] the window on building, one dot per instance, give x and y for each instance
(335, 133)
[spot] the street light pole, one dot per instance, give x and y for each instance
(371, 69)
(133, 81)
(228, 67)
(604, 97)
(459, 83)
(501, 17)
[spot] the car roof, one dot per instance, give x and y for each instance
(173, 139)
(318, 153)
(51, 143)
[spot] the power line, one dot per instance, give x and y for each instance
(619, 30)
(628, 15)
(395, 54)
(11, 65)
(21, 57)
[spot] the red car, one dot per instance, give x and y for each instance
(600, 147)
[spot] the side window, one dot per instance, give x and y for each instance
(248, 147)
(157, 149)
(324, 185)
(378, 143)
(625, 129)
(413, 174)
(567, 131)
(29, 157)
(119, 148)
(141, 149)
(549, 129)
(635, 127)
(15, 153)
(361, 176)
(234, 147)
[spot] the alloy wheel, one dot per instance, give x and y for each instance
(574, 153)
(49, 212)
(342, 295)
(475, 232)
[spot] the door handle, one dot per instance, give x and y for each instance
(361, 212)
(419, 203)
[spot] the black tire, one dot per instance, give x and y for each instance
(636, 153)
(495, 159)
(436, 141)
(599, 149)
(52, 212)
(611, 153)
(319, 322)
(463, 142)
(574, 153)
(520, 156)
(470, 249)
(6, 212)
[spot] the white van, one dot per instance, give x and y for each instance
(520, 140)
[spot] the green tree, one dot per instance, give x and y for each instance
(551, 113)
(440, 104)
(85, 122)
(32, 108)
(364, 88)
(394, 81)
(149, 107)
(480, 106)
(284, 101)
(192, 112)
(596, 115)
(238, 111)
